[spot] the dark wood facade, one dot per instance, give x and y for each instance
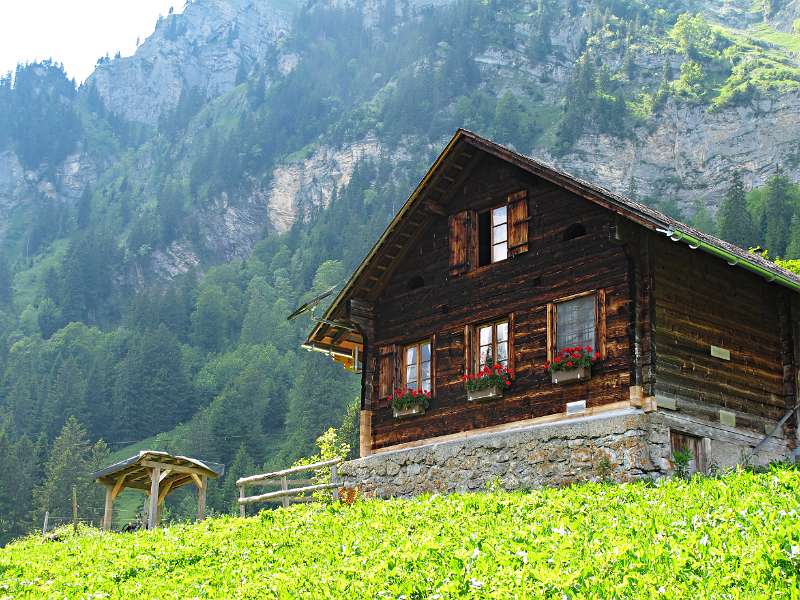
(672, 322)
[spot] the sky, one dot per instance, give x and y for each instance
(75, 32)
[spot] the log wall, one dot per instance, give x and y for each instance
(700, 301)
(521, 288)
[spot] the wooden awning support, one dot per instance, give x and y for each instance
(157, 474)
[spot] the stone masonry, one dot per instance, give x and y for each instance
(621, 446)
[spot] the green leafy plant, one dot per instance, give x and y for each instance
(682, 459)
(409, 397)
(497, 375)
(573, 358)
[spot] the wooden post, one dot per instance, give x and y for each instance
(44, 525)
(242, 507)
(108, 512)
(284, 487)
(335, 482)
(365, 433)
(201, 498)
(74, 509)
(152, 515)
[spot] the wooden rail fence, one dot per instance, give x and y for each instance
(284, 494)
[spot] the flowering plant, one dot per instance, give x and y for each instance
(496, 375)
(573, 358)
(408, 397)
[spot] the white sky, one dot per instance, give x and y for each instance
(75, 32)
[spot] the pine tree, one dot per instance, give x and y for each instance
(241, 466)
(777, 214)
(793, 248)
(735, 222)
(71, 462)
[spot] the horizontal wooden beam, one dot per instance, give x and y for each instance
(284, 493)
(252, 480)
(176, 468)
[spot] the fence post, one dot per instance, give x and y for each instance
(74, 509)
(242, 507)
(334, 481)
(44, 526)
(285, 487)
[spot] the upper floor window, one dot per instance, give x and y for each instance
(481, 238)
(417, 366)
(493, 235)
(493, 345)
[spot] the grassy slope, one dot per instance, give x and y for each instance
(738, 535)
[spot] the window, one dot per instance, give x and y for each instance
(577, 321)
(574, 231)
(417, 362)
(575, 324)
(493, 344)
(493, 235)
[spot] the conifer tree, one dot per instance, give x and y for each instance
(735, 222)
(777, 214)
(71, 462)
(793, 248)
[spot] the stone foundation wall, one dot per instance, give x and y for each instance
(622, 446)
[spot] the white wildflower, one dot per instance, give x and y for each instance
(477, 584)
(560, 530)
(661, 590)
(524, 556)
(476, 553)
(795, 550)
(704, 540)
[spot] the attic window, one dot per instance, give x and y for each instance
(493, 235)
(415, 283)
(575, 230)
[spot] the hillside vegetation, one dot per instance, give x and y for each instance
(147, 265)
(732, 537)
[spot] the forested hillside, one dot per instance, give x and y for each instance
(159, 221)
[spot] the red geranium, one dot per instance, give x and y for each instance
(573, 358)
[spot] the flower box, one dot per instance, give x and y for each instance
(570, 375)
(409, 411)
(487, 393)
(409, 402)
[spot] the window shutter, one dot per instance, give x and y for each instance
(518, 223)
(388, 368)
(459, 243)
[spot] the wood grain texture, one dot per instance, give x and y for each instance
(447, 307)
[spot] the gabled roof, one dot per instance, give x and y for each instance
(137, 475)
(454, 164)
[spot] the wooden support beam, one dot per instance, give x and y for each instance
(176, 468)
(201, 498)
(164, 491)
(120, 483)
(152, 515)
(197, 481)
(108, 512)
(165, 474)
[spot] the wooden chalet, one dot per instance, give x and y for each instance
(497, 253)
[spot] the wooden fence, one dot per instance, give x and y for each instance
(285, 493)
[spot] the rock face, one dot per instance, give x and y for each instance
(691, 152)
(202, 48)
(623, 446)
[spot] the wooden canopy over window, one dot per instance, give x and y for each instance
(337, 335)
(156, 474)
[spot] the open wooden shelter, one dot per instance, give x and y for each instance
(156, 474)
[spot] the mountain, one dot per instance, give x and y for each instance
(159, 221)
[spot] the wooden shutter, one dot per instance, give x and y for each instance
(518, 223)
(468, 366)
(388, 371)
(459, 243)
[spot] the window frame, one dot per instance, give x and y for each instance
(490, 243)
(404, 373)
(474, 346)
(599, 321)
